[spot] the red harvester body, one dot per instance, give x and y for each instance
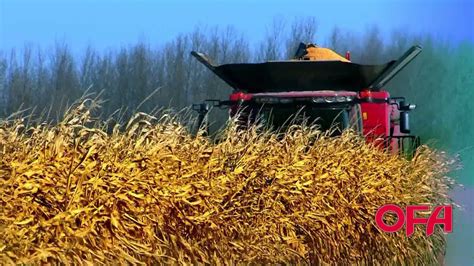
(331, 92)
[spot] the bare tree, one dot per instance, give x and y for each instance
(372, 47)
(271, 47)
(3, 85)
(87, 67)
(302, 30)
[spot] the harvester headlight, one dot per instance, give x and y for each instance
(286, 100)
(340, 99)
(318, 100)
(349, 98)
(330, 99)
(267, 100)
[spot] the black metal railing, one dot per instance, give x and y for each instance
(406, 145)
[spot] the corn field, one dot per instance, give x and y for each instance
(149, 192)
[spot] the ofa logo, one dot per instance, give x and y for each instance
(410, 219)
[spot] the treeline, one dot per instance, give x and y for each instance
(165, 74)
(125, 77)
(145, 76)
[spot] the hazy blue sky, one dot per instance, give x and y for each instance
(111, 23)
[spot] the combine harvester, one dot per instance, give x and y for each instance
(323, 86)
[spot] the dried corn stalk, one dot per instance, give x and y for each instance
(155, 194)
